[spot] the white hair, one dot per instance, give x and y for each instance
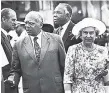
(36, 16)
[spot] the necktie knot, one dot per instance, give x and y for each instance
(35, 39)
(9, 37)
(60, 30)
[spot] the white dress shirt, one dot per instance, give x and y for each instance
(14, 36)
(4, 58)
(4, 61)
(64, 28)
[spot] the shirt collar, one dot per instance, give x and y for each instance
(38, 40)
(65, 25)
(4, 31)
(39, 36)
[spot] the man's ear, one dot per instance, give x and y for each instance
(3, 19)
(41, 25)
(68, 15)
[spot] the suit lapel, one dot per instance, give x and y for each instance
(7, 42)
(29, 47)
(6, 46)
(68, 31)
(44, 45)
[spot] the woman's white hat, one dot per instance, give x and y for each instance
(86, 22)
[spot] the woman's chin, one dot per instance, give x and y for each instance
(88, 43)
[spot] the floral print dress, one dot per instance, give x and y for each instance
(82, 67)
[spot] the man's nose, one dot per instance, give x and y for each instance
(55, 14)
(15, 22)
(88, 35)
(26, 25)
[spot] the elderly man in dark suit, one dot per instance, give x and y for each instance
(62, 19)
(38, 58)
(8, 22)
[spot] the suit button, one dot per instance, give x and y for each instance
(38, 68)
(41, 78)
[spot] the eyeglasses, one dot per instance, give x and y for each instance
(86, 32)
(30, 23)
(57, 12)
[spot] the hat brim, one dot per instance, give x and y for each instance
(87, 22)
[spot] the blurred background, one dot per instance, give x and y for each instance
(81, 8)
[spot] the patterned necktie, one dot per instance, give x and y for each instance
(37, 49)
(59, 30)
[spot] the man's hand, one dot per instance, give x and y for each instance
(10, 81)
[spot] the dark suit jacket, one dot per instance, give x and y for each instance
(102, 40)
(68, 38)
(5, 70)
(45, 76)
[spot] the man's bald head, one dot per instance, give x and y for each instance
(34, 16)
(33, 23)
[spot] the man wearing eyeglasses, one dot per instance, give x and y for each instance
(38, 58)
